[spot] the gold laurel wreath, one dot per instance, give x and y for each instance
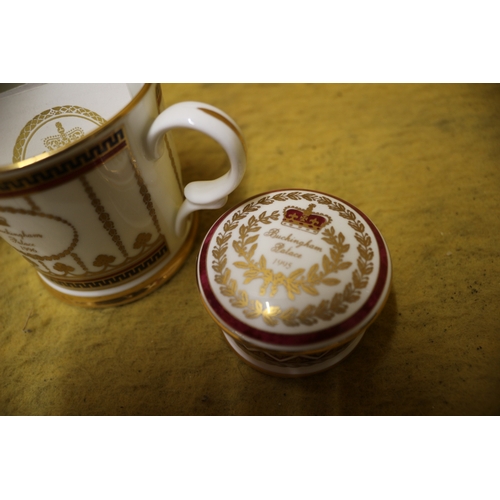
(294, 283)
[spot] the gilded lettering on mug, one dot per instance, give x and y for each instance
(20, 239)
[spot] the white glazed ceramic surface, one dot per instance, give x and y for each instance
(91, 191)
(294, 278)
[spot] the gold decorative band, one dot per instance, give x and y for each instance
(56, 173)
(117, 278)
(146, 287)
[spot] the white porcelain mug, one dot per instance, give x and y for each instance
(90, 185)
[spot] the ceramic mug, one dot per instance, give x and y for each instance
(90, 185)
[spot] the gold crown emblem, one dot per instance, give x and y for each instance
(57, 141)
(305, 220)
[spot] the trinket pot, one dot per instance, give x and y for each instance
(293, 278)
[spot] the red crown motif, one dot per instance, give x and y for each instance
(306, 220)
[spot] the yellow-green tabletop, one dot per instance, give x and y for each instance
(422, 161)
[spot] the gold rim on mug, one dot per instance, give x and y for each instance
(87, 137)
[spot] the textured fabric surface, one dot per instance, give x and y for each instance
(422, 161)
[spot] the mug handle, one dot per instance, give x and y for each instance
(217, 125)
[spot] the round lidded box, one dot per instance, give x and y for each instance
(293, 278)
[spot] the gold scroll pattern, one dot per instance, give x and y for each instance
(146, 197)
(151, 249)
(143, 241)
(37, 213)
(326, 309)
(104, 217)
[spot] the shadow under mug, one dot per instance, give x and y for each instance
(90, 186)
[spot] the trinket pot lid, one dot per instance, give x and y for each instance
(294, 269)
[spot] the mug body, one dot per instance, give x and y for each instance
(80, 197)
